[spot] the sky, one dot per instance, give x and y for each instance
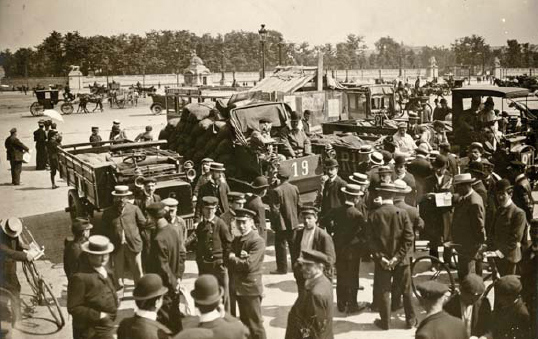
(25, 23)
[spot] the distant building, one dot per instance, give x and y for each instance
(197, 73)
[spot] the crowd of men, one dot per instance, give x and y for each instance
(417, 192)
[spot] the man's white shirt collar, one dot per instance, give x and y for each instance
(102, 271)
(207, 317)
(151, 315)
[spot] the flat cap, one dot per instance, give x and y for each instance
(313, 257)
(472, 284)
(309, 209)
(210, 201)
(508, 285)
(431, 290)
(156, 209)
(236, 196)
(244, 214)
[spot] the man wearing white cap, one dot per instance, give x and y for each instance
(177, 222)
(11, 251)
(404, 142)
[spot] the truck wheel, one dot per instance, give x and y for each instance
(156, 109)
(76, 207)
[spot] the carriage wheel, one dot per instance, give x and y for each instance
(48, 299)
(157, 109)
(76, 208)
(420, 272)
(37, 109)
(67, 108)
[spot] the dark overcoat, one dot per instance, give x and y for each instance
(142, 328)
(247, 272)
(284, 206)
(441, 326)
(165, 258)
(437, 220)
(481, 314)
(15, 148)
(11, 251)
(468, 229)
(322, 242)
(131, 220)
(507, 231)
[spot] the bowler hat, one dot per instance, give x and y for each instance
(387, 187)
(509, 285)
(431, 290)
(284, 172)
(156, 209)
(95, 128)
(217, 166)
(149, 286)
(237, 197)
(476, 167)
(399, 160)
(260, 182)
(440, 161)
(207, 290)
(330, 163)
(443, 101)
(121, 191)
(402, 186)
(313, 257)
(352, 189)
(376, 158)
(438, 123)
(210, 201)
(98, 244)
(170, 202)
(307, 111)
(489, 101)
(503, 185)
(12, 227)
(81, 224)
(463, 178)
(244, 214)
(472, 284)
(366, 149)
(359, 178)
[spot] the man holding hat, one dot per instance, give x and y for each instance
(468, 226)
(217, 187)
(349, 228)
(148, 295)
(510, 317)
(213, 245)
(73, 245)
(177, 223)
(245, 263)
(331, 195)
(95, 137)
(122, 223)
(311, 316)
(205, 175)
(529, 276)
(507, 230)
(254, 203)
(296, 142)
(15, 150)
(437, 219)
(40, 138)
(91, 292)
(311, 237)
(166, 260)
(404, 142)
(12, 250)
(284, 201)
(437, 324)
(207, 295)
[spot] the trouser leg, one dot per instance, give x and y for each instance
(281, 252)
(233, 296)
(447, 255)
(119, 263)
(434, 250)
(402, 278)
(466, 265)
(251, 315)
(505, 267)
(135, 264)
(384, 278)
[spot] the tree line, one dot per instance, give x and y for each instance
(168, 51)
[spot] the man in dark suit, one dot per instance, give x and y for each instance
(217, 187)
(91, 292)
(144, 198)
(213, 242)
(245, 263)
(121, 224)
(255, 203)
(207, 295)
(477, 172)
(507, 231)
(437, 219)
(529, 276)
(236, 200)
(95, 137)
(166, 260)
(437, 324)
(148, 295)
(522, 196)
(311, 316)
(349, 227)
(40, 138)
(471, 307)
(420, 168)
(401, 173)
(73, 245)
(468, 232)
(284, 205)
(311, 237)
(390, 236)
(331, 194)
(444, 149)
(15, 150)
(510, 317)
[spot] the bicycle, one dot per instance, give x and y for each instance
(42, 293)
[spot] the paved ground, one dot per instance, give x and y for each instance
(43, 211)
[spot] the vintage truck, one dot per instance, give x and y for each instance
(93, 169)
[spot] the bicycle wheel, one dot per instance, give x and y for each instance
(47, 298)
(420, 272)
(31, 276)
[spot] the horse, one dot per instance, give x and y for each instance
(89, 98)
(98, 90)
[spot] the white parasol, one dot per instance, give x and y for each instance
(53, 114)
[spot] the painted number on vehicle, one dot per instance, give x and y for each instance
(303, 168)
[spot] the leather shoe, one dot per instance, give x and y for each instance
(379, 324)
(411, 324)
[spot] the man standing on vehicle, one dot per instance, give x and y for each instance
(217, 187)
(15, 150)
(40, 138)
(145, 198)
(297, 143)
(255, 203)
(12, 250)
(121, 224)
(404, 142)
(205, 175)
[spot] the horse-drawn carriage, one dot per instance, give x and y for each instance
(47, 99)
(122, 97)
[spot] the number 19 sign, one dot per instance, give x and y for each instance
(302, 167)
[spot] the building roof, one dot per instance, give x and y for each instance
(286, 79)
(503, 92)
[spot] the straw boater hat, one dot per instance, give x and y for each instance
(217, 166)
(207, 290)
(387, 187)
(12, 227)
(98, 244)
(313, 257)
(402, 124)
(148, 287)
(402, 186)
(376, 158)
(121, 191)
(204, 160)
(366, 149)
(464, 178)
(359, 178)
(352, 189)
(384, 170)
(413, 116)
(170, 202)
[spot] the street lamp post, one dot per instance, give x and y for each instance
(263, 37)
